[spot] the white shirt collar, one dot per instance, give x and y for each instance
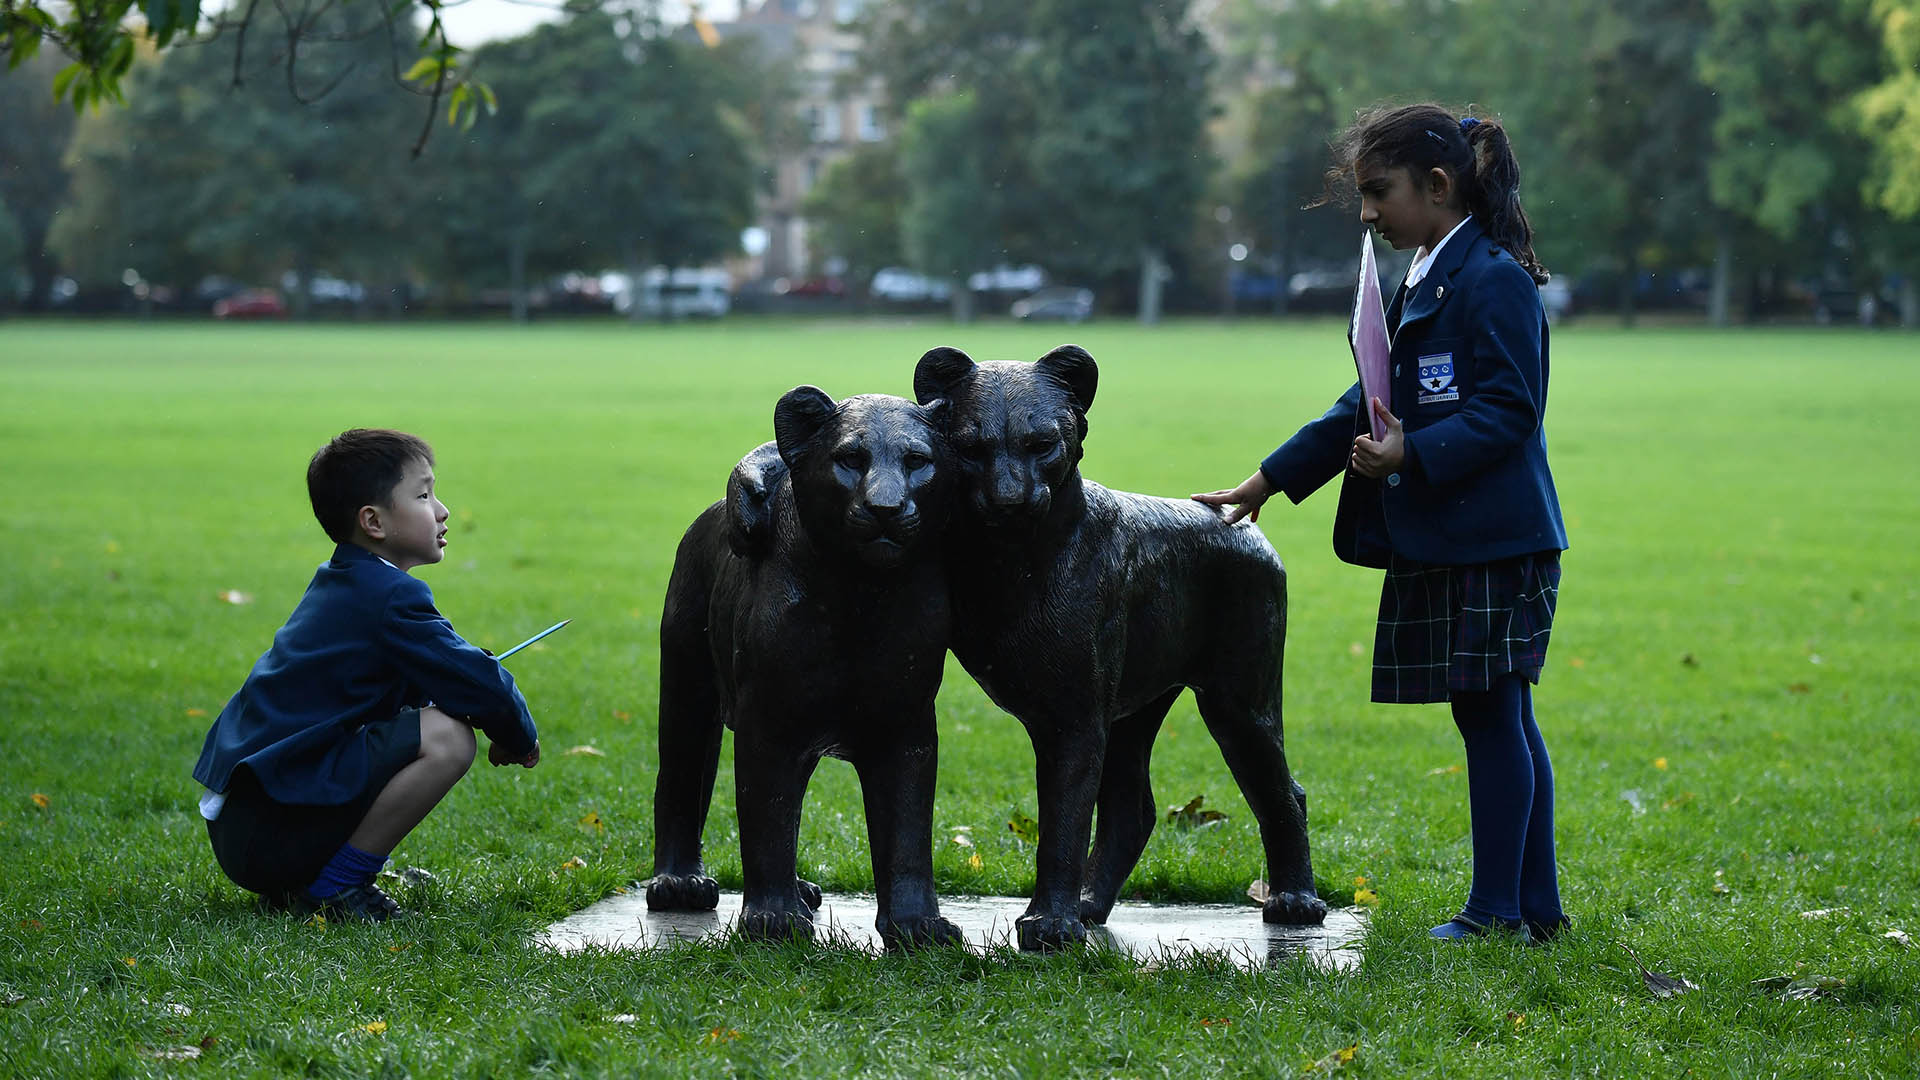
(1423, 260)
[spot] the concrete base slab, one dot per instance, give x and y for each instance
(1147, 932)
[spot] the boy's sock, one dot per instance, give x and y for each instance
(1500, 794)
(349, 867)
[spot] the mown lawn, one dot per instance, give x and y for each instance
(1732, 703)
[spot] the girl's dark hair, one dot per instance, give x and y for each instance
(359, 468)
(1473, 150)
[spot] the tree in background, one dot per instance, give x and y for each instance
(33, 178)
(1120, 149)
(1888, 114)
(953, 215)
(858, 205)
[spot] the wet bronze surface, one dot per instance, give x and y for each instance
(1145, 931)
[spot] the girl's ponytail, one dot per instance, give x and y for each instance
(1493, 193)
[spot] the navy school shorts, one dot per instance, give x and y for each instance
(274, 848)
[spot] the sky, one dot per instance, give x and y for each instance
(471, 22)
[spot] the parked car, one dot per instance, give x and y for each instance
(1065, 303)
(686, 292)
(250, 304)
(905, 286)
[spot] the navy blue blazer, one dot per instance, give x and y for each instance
(1469, 384)
(364, 642)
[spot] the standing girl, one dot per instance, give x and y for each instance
(1455, 502)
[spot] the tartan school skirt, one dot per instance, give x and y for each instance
(1446, 629)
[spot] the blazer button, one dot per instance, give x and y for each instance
(1439, 291)
(1393, 479)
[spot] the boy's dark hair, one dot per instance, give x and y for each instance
(358, 468)
(1473, 150)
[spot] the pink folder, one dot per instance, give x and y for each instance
(1368, 336)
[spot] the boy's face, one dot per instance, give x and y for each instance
(410, 529)
(1406, 208)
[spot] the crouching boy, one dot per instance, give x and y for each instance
(360, 717)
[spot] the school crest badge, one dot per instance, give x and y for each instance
(1436, 380)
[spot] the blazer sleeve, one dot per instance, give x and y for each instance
(1504, 409)
(1317, 452)
(455, 675)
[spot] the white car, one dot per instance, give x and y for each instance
(907, 286)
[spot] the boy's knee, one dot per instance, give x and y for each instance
(446, 740)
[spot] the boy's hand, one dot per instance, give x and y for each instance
(1377, 459)
(496, 756)
(1245, 499)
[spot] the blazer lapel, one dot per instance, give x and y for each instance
(1426, 298)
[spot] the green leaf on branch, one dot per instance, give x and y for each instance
(427, 67)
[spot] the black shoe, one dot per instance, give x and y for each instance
(1461, 928)
(365, 903)
(1543, 932)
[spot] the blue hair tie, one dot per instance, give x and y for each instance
(1468, 123)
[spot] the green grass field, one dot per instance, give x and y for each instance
(1736, 648)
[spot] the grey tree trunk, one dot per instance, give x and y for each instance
(1152, 273)
(962, 299)
(517, 272)
(1909, 302)
(1720, 295)
(635, 274)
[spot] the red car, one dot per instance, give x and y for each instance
(251, 304)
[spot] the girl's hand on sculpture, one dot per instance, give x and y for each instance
(1377, 459)
(1246, 499)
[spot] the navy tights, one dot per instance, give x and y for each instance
(1510, 793)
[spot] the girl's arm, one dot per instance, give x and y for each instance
(1509, 382)
(1315, 455)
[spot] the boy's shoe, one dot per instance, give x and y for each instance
(362, 902)
(1461, 928)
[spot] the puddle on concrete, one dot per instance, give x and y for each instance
(1144, 931)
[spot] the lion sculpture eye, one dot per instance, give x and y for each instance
(1038, 445)
(851, 459)
(915, 461)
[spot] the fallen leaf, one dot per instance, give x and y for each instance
(317, 920)
(1024, 827)
(1681, 799)
(1799, 688)
(1660, 763)
(1801, 987)
(1359, 882)
(962, 839)
(40, 800)
(1191, 816)
(1339, 1059)
(1356, 649)
(1216, 1021)
(402, 947)
(720, 1035)
(1825, 912)
(624, 1018)
(1443, 770)
(1899, 937)
(1366, 897)
(1577, 662)
(113, 547)
(973, 861)
(377, 1027)
(593, 821)
(196, 712)
(1257, 891)
(235, 596)
(32, 924)
(129, 961)
(1689, 660)
(173, 1053)
(1660, 984)
(177, 1009)
(574, 863)
(1517, 1019)
(622, 715)
(583, 751)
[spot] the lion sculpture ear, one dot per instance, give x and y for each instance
(938, 371)
(1073, 368)
(750, 491)
(939, 413)
(802, 412)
